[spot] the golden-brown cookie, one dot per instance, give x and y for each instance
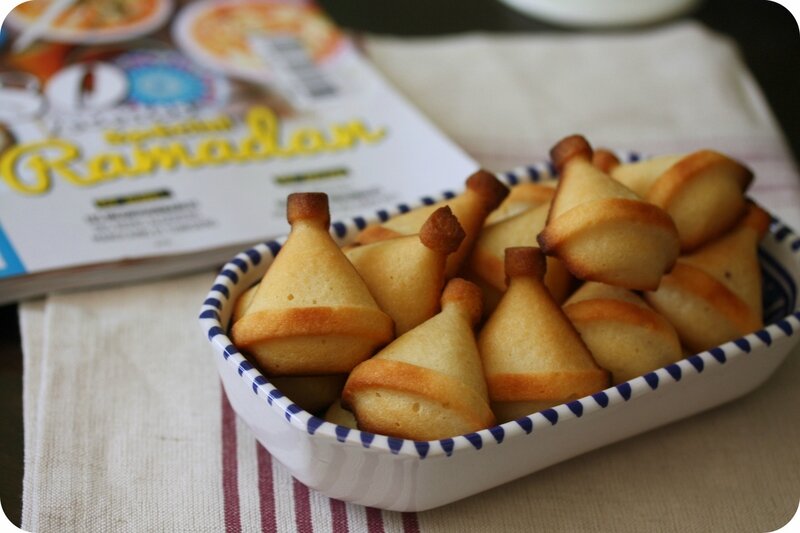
(625, 336)
(406, 275)
(714, 294)
(242, 303)
(605, 160)
(488, 254)
(702, 191)
(312, 313)
(336, 414)
(522, 197)
(640, 175)
(532, 355)
(600, 229)
(483, 193)
(312, 393)
(427, 384)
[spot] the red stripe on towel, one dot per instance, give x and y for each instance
(410, 524)
(339, 516)
(266, 490)
(230, 474)
(302, 508)
(374, 520)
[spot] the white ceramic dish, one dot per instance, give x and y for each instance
(404, 475)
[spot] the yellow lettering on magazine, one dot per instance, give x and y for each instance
(30, 168)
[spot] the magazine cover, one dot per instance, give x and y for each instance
(152, 129)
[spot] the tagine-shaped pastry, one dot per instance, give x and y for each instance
(406, 275)
(312, 393)
(427, 384)
(336, 414)
(600, 229)
(488, 255)
(640, 175)
(532, 355)
(605, 160)
(714, 295)
(242, 303)
(482, 195)
(702, 191)
(312, 313)
(522, 197)
(625, 336)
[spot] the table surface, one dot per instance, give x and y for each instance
(765, 32)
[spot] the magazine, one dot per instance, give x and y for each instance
(147, 137)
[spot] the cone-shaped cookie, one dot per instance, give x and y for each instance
(488, 255)
(606, 161)
(312, 393)
(600, 229)
(482, 195)
(714, 295)
(242, 303)
(521, 198)
(532, 355)
(639, 176)
(427, 384)
(625, 336)
(406, 275)
(490, 295)
(312, 312)
(703, 192)
(336, 414)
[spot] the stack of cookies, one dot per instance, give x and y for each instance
(498, 303)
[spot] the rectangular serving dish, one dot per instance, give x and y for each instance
(403, 475)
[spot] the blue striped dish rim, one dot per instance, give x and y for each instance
(223, 290)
